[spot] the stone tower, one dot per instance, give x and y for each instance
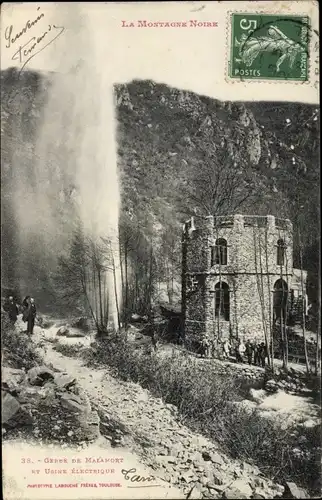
(236, 275)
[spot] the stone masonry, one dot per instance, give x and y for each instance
(250, 272)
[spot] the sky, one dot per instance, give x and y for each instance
(191, 58)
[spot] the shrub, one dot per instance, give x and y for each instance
(17, 348)
(70, 350)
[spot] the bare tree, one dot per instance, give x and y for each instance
(219, 186)
(260, 286)
(318, 351)
(270, 315)
(303, 293)
(73, 279)
(83, 276)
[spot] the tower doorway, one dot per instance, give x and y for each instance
(280, 298)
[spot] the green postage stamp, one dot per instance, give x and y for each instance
(269, 47)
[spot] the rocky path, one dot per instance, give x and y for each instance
(152, 431)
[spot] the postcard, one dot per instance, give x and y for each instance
(160, 304)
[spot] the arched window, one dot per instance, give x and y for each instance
(280, 252)
(219, 252)
(222, 300)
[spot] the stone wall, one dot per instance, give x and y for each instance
(196, 308)
(254, 374)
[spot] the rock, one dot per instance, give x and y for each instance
(204, 480)
(216, 487)
(237, 471)
(176, 450)
(12, 378)
(13, 413)
(39, 374)
(195, 493)
(309, 424)
(242, 485)
(206, 456)
(10, 406)
(210, 494)
(250, 469)
(279, 489)
(167, 459)
(258, 482)
(74, 334)
(187, 477)
(216, 458)
(257, 495)
(196, 458)
(257, 395)
(172, 408)
(232, 493)
(83, 324)
(64, 381)
(137, 318)
(74, 403)
(35, 395)
(90, 424)
(62, 331)
(293, 491)
(44, 322)
(219, 478)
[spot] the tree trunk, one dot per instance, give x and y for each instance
(303, 312)
(122, 281)
(100, 296)
(150, 280)
(259, 282)
(126, 312)
(283, 321)
(93, 290)
(317, 353)
(115, 292)
(83, 281)
(263, 300)
(220, 293)
(270, 315)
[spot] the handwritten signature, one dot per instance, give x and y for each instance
(133, 477)
(36, 44)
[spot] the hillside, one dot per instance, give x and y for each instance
(178, 154)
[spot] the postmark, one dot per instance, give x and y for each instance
(269, 47)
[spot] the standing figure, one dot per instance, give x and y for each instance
(249, 351)
(257, 349)
(262, 354)
(226, 349)
(30, 315)
(12, 309)
(236, 351)
(205, 344)
(212, 348)
(154, 341)
(26, 302)
(240, 351)
(25, 306)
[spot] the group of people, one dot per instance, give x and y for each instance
(255, 353)
(27, 309)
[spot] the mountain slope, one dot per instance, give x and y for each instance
(178, 154)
